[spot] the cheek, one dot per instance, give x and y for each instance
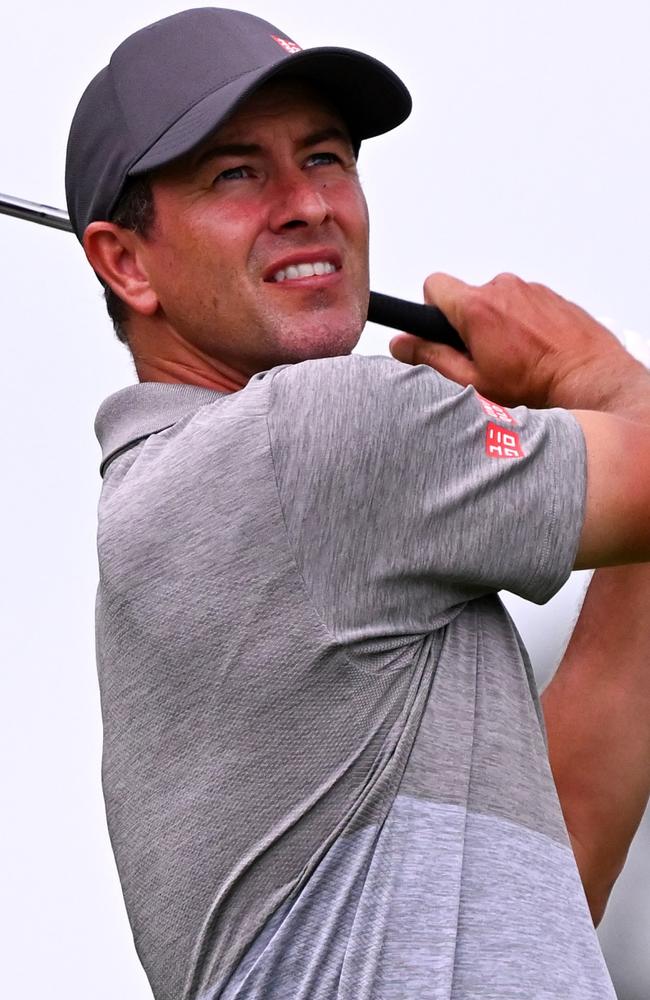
(354, 212)
(229, 233)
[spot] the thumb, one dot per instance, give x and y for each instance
(404, 347)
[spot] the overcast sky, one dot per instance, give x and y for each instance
(528, 150)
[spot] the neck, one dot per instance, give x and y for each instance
(218, 376)
(164, 358)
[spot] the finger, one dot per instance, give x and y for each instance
(404, 347)
(449, 294)
(446, 360)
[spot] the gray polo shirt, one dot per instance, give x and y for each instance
(324, 761)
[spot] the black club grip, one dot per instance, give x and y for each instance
(410, 317)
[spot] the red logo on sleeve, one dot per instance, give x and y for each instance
(495, 410)
(501, 443)
(290, 47)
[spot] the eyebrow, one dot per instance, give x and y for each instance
(254, 149)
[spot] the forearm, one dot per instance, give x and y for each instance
(597, 713)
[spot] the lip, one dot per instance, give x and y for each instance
(303, 257)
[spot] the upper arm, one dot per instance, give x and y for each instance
(616, 526)
(416, 494)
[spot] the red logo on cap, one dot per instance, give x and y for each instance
(500, 443)
(288, 46)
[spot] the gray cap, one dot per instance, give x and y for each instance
(169, 85)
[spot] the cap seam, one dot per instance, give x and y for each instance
(118, 99)
(188, 108)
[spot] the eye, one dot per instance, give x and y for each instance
(233, 174)
(322, 159)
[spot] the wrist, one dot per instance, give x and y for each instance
(611, 382)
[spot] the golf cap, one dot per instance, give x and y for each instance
(171, 84)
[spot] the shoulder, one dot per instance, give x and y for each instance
(347, 411)
(348, 368)
(356, 382)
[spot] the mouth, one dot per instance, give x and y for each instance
(306, 267)
(295, 271)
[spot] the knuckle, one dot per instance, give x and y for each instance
(478, 305)
(443, 281)
(506, 279)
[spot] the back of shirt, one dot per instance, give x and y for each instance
(324, 762)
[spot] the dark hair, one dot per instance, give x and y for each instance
(134, 210)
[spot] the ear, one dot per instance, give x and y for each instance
(113, 253)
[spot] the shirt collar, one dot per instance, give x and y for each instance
(134, 413)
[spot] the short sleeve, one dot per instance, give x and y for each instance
(405, 494)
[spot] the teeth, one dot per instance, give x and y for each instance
(319, 267)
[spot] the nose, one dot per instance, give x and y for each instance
(298, 200)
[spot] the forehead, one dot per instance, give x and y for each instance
(294, 106)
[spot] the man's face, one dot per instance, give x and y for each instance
(259, 251)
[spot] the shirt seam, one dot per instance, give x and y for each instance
(307, 590)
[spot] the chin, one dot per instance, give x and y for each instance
(324, 339)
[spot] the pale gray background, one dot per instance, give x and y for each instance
(528, 150)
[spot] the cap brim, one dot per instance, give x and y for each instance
(369, 96)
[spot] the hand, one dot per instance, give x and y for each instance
(527, 345)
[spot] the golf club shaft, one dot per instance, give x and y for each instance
(45, 215)
(398, 314)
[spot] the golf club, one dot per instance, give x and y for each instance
(427, 322)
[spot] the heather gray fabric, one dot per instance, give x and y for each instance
(324, 760)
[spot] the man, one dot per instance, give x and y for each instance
(324, 761)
